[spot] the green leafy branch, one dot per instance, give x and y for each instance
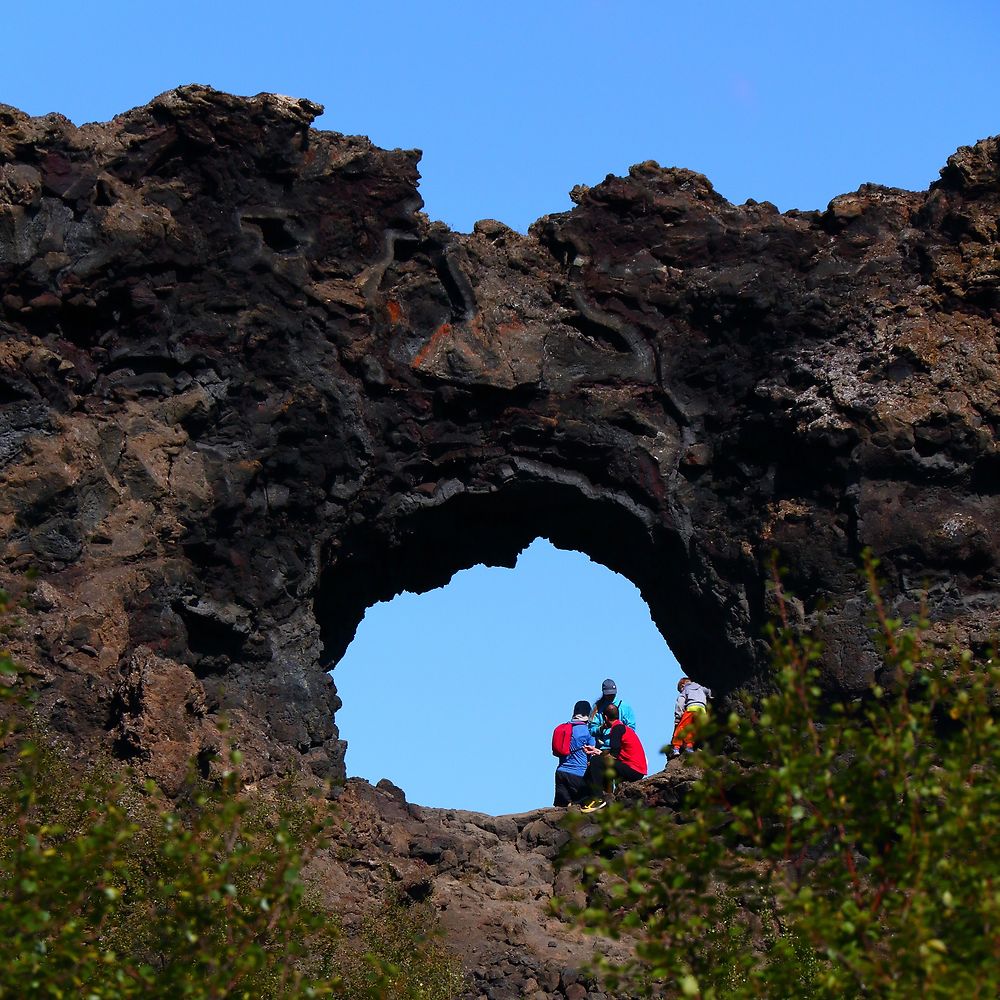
(844, 849)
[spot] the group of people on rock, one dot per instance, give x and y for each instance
(599, 745)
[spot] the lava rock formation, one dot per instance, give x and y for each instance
(247, 388)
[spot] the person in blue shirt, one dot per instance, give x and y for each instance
(568, 742)
(609, 696)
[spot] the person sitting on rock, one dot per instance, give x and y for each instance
(623, 760)
(569, 743)
(690, 712)
(599, 724)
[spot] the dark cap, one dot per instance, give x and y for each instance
(581, 708)
(609, 687)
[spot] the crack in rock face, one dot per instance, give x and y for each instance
(247, 389)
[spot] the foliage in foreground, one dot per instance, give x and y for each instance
(847, 850)
(110, 892)
(107, 894)
(399, 957)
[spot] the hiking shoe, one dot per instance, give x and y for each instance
(594, 805)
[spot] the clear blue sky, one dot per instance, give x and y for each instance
(513, 103)
(471, 678)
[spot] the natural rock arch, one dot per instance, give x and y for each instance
(247, 388)
(425, 547)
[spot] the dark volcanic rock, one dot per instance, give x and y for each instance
(247, 389)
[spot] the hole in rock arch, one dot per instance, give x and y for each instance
(452, 694)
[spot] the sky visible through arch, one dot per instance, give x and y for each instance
(473, 677)
(513, 104)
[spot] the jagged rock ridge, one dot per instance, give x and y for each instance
(247, 389)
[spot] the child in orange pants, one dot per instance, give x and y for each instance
(690, 712)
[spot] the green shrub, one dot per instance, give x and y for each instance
(846, 849)
(110, 891)
(399, 957)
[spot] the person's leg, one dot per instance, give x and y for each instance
(562, 796)
(593, 784)
(677, 740)
(593, 780)
(625, 773)
(684, 733)
(698, 717)
(609, 766)
(577, 790)
(569, 788)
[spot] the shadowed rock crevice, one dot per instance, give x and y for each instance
(453, 530)
(247, 388)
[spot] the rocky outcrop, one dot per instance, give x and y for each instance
(492, 881)
(503, 894)
(247, 389)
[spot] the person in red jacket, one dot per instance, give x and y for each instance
(623, 760)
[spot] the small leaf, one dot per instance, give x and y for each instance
(689, 986)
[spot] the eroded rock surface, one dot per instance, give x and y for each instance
(247, 389)
(491, 880)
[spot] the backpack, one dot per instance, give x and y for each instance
(562, 738)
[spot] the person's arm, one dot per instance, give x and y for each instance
(628, 715)
(597, 723)
(615, 744)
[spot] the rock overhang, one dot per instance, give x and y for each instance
(248, 388)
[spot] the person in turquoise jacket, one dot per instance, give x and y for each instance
(609, 696)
